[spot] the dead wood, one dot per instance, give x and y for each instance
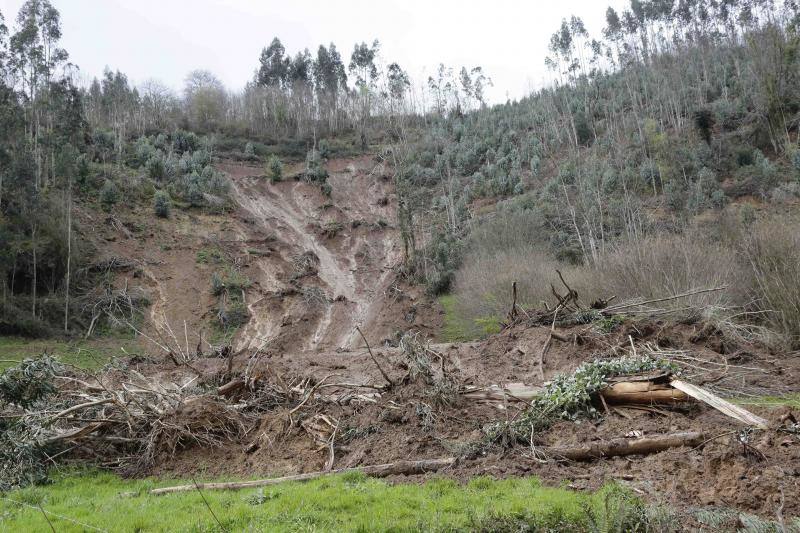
(374, 360)
(496, 393)
(620, 447)
(230, 388)
(723, 406)
(408, 468)
(641, 392)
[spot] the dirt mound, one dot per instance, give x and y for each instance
(320, 266)
(416, 420)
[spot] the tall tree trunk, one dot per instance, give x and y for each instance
(33, 288)
(69, 255)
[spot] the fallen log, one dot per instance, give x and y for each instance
(509, 392)
(642, 392)
(619, 447)
(407, 468)
(231, 387)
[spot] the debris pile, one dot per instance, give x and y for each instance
(415, 408)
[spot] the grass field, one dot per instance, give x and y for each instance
(88, 354)
(91, 501)
(457, 328)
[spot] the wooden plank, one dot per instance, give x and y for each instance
(723, 406)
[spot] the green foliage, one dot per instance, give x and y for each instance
(249, 150)
(458, 328)
(210, 255)
(274, 169)
(229, 281)
(570, 396)
(29, 382)
(109, 194)
(183, 141)
(156, 169)
(324, 149)
(162, 204)
(22, 458)
(315, 167)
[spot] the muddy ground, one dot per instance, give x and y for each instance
(321, 266)
(407, 423)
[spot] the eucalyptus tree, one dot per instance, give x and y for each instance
(330, 83)
(273, 65)
(364, 68)
(206, 100)
(34, 57)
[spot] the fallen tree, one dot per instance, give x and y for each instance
(408, 468)
(642, 392)
(620, 447)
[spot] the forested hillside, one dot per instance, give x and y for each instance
(678, 115)
(339, 271)
(664, 156)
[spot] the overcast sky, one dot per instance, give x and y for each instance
(165, 39)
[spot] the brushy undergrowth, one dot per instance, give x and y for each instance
(22, 456)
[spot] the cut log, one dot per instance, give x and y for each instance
(231, 387)
(619, 447)
(723, 406)
(642, 392)
(509, 392)
(389, 469)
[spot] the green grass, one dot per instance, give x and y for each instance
(348, 502)
(457, 328)
(90, 355)
(789, 400)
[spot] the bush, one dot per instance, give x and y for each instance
(109, 194)
(652, 267)
(183, 141)
(229, 281)
(161, 204)
(324, 149)
(772, 251)
(274, 169)
(155, 168)
(233, 315)
(315, 171)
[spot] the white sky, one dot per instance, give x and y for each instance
(165, 39)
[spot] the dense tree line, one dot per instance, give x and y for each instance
(42, 135)
(680, 104)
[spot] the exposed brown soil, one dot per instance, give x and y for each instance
(320, 266)
(303, 323)
(722, 472)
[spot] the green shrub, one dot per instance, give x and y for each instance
(274, 169)
(155, 167)
(315, 169)
(229, 280)
(162, 204)
(109, 194)
(233, 314)
(324, 149)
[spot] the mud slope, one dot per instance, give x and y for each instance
(332, 259)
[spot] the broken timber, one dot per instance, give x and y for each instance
(619, 447)
(389, 469)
